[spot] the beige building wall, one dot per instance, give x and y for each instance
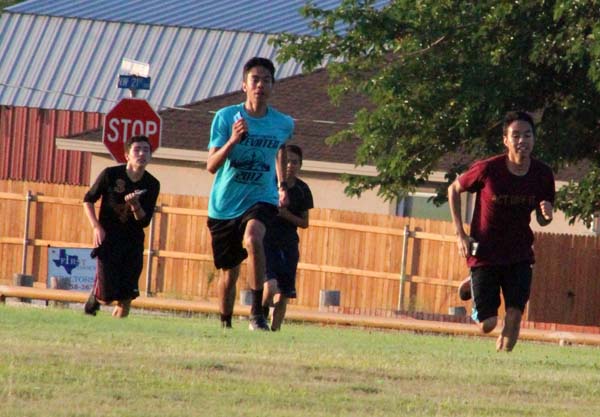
(560, 224)
(176, 177)
(191, 178)
(328, 192)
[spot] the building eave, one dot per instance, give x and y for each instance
(161, 153)
(202, 156)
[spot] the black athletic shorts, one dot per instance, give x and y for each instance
(487, 282)
(120, 263)
(228, 235)
(282, 263)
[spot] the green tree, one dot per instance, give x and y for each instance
(440, 75)
(6, 3)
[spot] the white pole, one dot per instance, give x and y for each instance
(28, 199)
(405, 237)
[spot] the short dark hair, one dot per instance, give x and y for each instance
(512, 116)
(259, 62)
(141, 138)
(295, 149)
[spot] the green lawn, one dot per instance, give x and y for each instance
(58, 362)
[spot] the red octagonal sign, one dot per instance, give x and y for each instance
(130, 117)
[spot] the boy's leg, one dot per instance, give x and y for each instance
(269, 290)
(253, 242)
(287, 284)
(488, 324)
(510, 333)
(228, 254)
(486, 297)
(280, 306)
(227, 290)
(516, 288)
(122, 308)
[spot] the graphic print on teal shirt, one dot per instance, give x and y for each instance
(248, 175)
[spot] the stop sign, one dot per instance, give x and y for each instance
(130, 117)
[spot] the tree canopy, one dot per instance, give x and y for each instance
(441, 74)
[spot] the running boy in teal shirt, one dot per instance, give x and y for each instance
(247, 154)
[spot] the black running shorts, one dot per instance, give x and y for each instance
(228, 235)
(120, 263)
(488, 282)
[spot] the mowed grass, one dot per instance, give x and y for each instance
(58, 362)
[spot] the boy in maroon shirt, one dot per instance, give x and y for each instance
(499, 250)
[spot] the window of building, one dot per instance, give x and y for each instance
(420, 205)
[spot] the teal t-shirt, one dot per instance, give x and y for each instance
(248, 175)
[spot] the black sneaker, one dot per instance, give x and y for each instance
(464, 289)
(91, 305)
(226, 324)
(258, 323)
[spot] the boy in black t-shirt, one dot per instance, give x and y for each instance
(281, 241)
(129, 195)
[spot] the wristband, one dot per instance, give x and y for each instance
(283, 184)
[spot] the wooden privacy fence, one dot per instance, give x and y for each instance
(365, 257)
(380, 264)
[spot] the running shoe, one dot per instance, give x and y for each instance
(464, 289)
(258, 323)
(91, 305)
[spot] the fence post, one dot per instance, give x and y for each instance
(28, 199)
(150, 253)
(23, 280)
(405, 237)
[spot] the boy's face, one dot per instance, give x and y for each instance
(258, 84)
(139, 154)
(519, 139)
(293, 164)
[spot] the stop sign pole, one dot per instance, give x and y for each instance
(130, 117)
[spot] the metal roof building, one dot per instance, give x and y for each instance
(60, 60)
(260, 16)
(72, 62)
(66, 54)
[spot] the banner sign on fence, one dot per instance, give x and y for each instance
(71, 269)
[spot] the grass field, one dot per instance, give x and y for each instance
(58, 362)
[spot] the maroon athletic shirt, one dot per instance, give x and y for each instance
(503, 206)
